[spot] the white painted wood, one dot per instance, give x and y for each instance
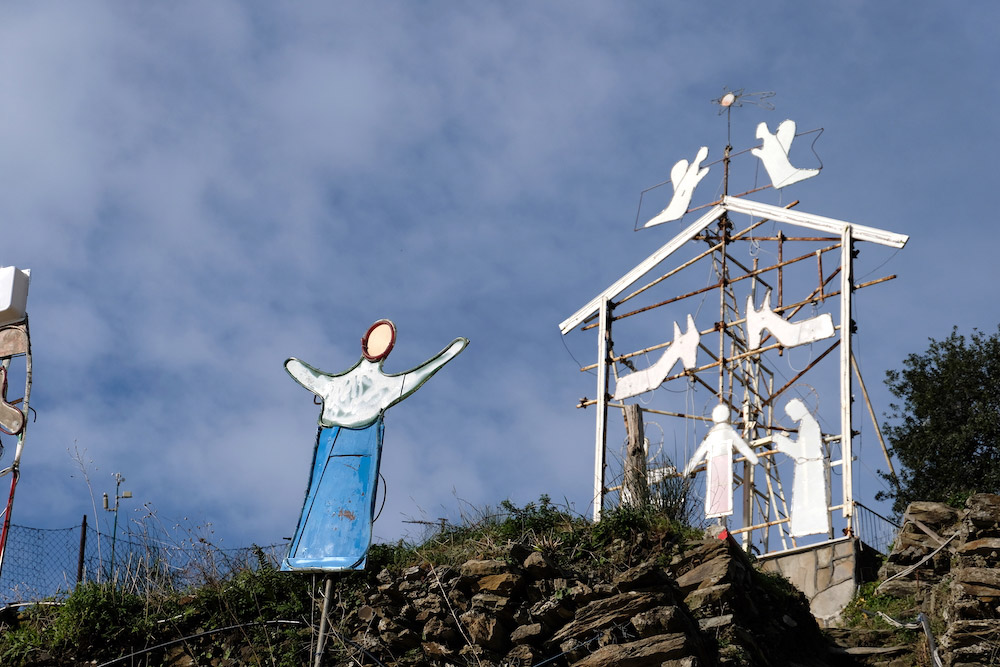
(774, 154)
(809, 515)
(601, 437)
(815, 222)
(622, 283)
(846, 289)
(685, 178)
(683, 348)
(789, 334)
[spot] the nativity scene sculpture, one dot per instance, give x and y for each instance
(769, 301)
(335, 527)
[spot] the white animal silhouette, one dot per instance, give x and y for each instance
(684, 348)
(685, 179)
(774, 154)
(788, 333)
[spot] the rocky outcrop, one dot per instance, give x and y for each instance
(948, 561)
(703, 604)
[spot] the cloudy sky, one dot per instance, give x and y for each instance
(204, 189)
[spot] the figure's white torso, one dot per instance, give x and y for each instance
(353, 399)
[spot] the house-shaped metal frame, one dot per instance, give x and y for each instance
(600, 307)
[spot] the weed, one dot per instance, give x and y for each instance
(97, 617)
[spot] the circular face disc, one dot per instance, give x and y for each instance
(727, 100)
(378, 340)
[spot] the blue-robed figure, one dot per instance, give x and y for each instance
(335, 529)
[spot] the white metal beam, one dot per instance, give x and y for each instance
(601, 439)
(815, 222)
(619, 285)
(846, 289)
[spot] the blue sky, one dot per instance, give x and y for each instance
(202, 190)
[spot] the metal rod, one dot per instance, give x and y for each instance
(321, 639)
(871, 413)
(805, 370)
(83, 550)
(749, 274)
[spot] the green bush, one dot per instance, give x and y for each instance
(98, 619)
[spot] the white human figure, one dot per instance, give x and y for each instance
(774, 154)
(685, 178)
(809, 515)
(684, 348)
(717, 452)
(357, 396)
(788, 333)
(335, 527)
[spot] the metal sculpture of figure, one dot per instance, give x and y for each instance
(334, 530)
(789, 334)
(774, 154)
(716, 450)
(684, 348)
(809, 514)
(685, 178)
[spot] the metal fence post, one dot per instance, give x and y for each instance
(83, 550)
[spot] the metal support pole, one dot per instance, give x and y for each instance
(871, 413)
(83, 550)
(601, 437)
(847, 453)
(321, 639)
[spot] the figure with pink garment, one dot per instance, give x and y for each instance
(716, 450)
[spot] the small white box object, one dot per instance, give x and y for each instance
(13, 294)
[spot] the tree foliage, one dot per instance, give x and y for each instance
(945, 431)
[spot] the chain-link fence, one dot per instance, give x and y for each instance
(41, 563)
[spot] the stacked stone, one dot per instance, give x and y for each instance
(926, 526)
(704, 606)
(972, 611)
(960, 583)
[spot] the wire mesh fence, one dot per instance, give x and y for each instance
(41, 563)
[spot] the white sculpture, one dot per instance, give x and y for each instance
(717, 452)
(358, 396)
(685, 179)
(788, 333)
(809, 515)
(774, 155)
(684, 348)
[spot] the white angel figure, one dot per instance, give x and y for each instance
(685, 178)
(774, 154)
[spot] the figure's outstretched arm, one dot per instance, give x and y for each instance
(311, 378)
(745, 449)
(413, 378)
(698, 456)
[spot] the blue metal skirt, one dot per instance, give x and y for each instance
(335, 529)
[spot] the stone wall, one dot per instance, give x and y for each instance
(947, 561)
(698, 603)
(828, 574)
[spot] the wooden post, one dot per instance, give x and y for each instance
(635, 490)
(83, 550)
